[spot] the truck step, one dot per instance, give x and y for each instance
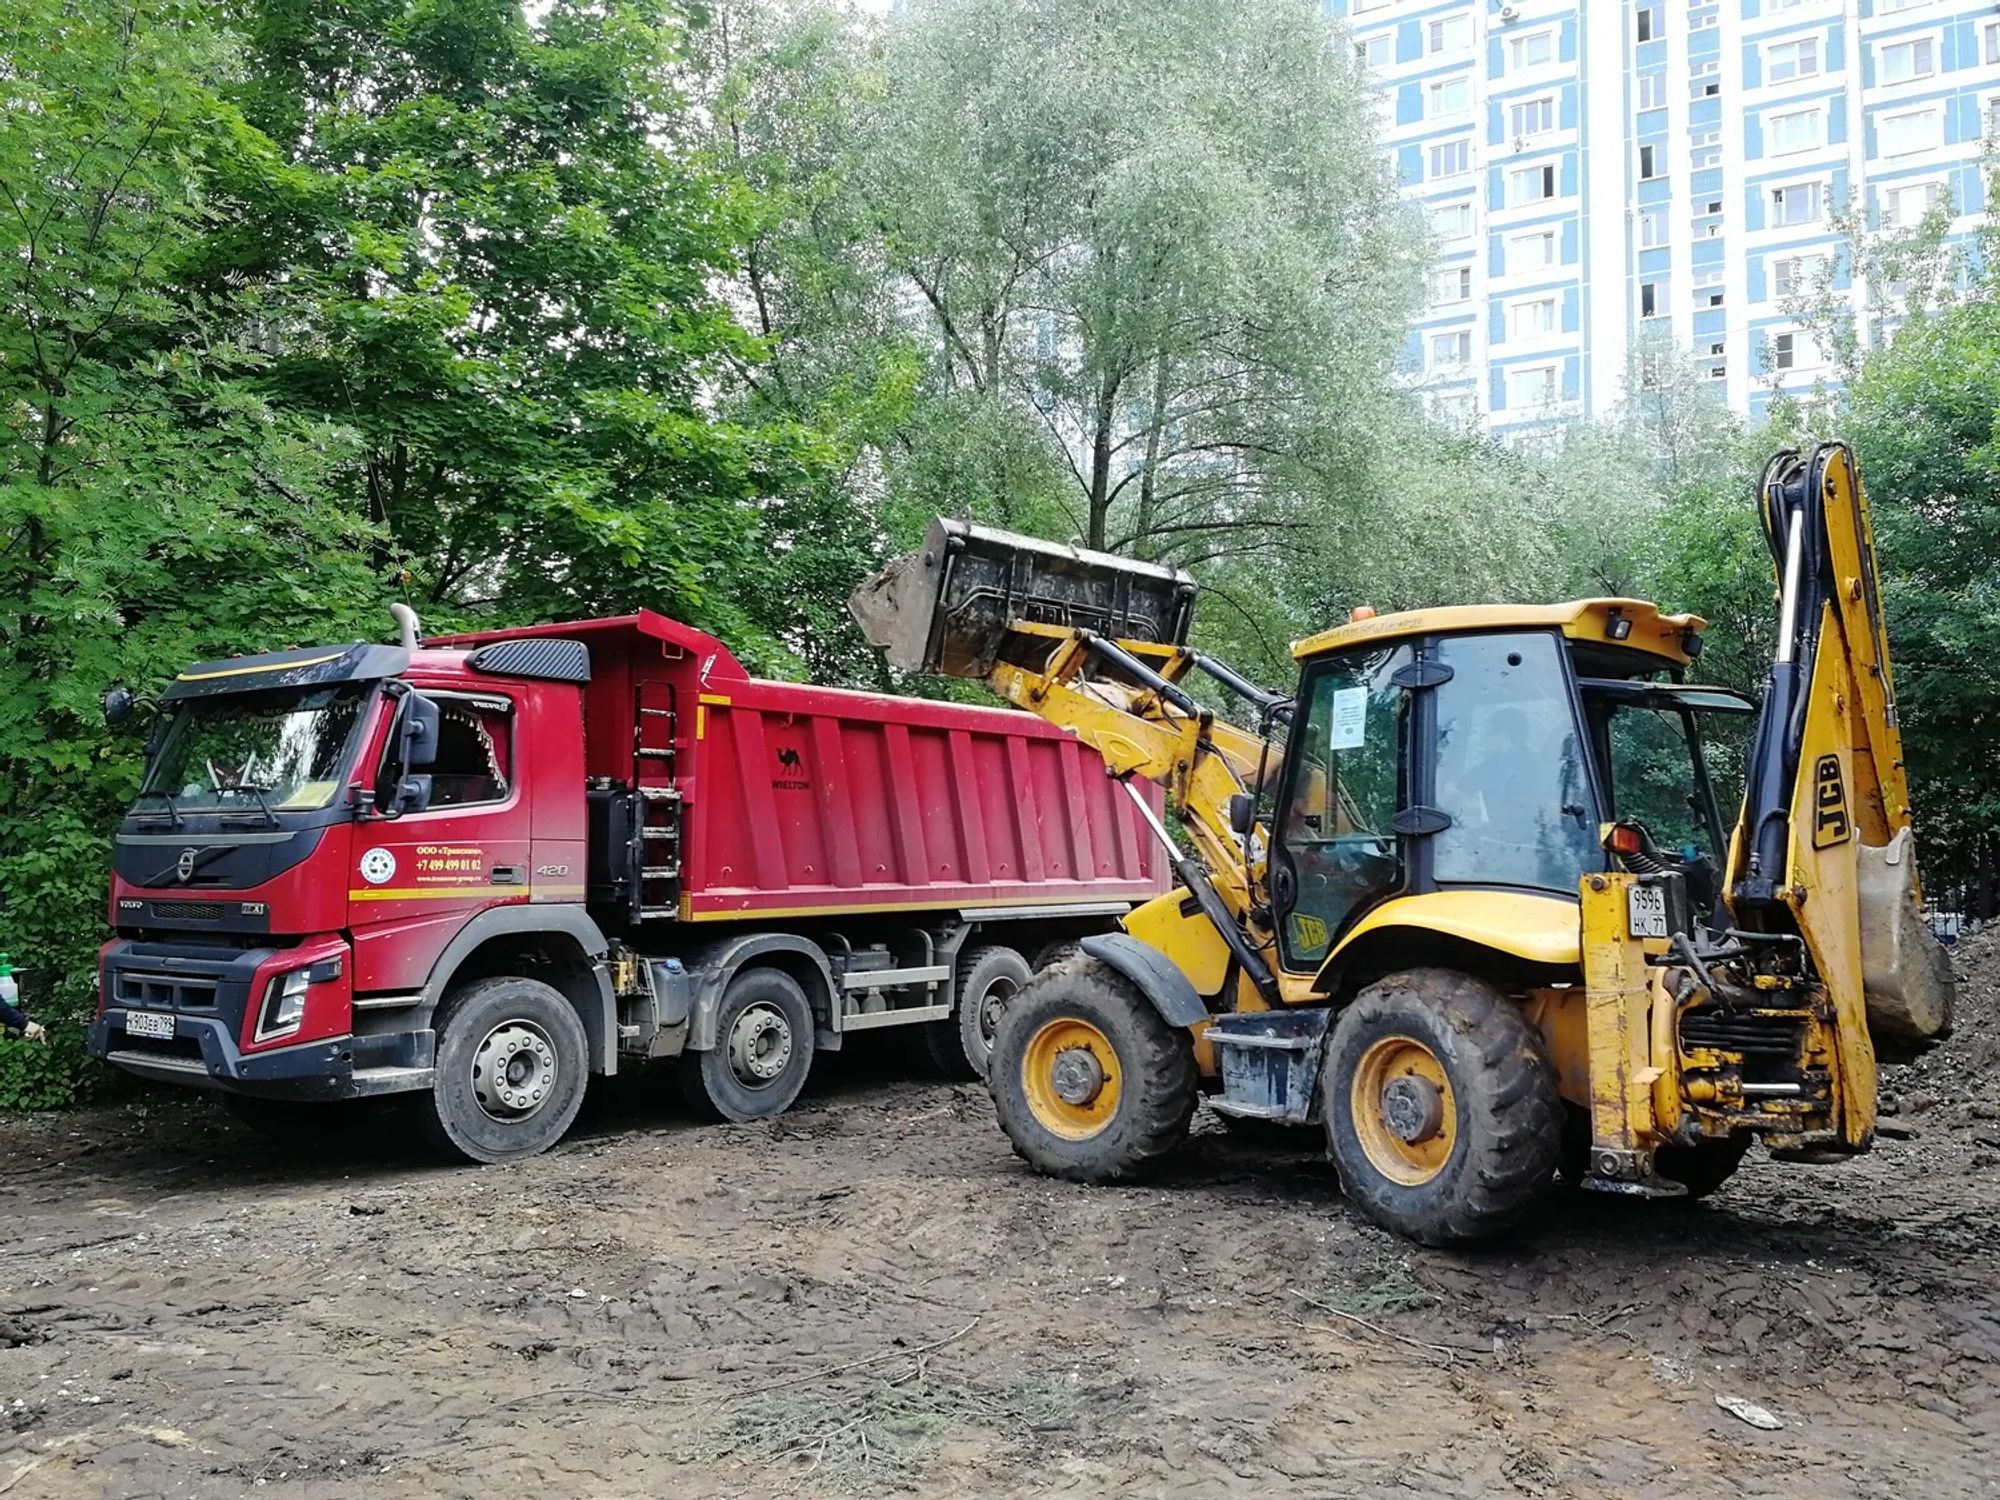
(660, 793)
(659, 833)
(659, 872)
(659, 911)
(654, 752)
(657, 713)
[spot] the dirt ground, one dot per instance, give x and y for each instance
(871, 1296)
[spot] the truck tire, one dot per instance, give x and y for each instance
(762, 1053)
(987, 982)
(1091, 1084)
(1441, 1111)
(512, 1062)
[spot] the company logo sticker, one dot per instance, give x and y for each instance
(1830, 821)
(378, 867)
(184, 866)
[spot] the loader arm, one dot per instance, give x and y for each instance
(1823, 848)
(1096, 644)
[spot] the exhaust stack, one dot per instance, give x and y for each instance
(951, 605)
(406, 625)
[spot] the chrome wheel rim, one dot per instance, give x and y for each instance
(760, 1045)
(513, 1071)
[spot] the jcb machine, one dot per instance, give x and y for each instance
(1466, 898)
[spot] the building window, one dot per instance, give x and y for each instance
(1449, 34)
(1450, 158)
(1989, 46)
(1531, 51)
(1784, 351)
(1713, 206)
(1706, 149)
(1884, 7)
(1652, 227)
(1526, 319)
(1652, 90)
(1650, 23)
(1531, 184)
(1913, 130)
(1451, 221)
(1904, 207)
(1377, 51)
(1712, 299)
(1799, 203)
(1452, 284)
(1451, 97)
(1702, 20)
(1451, 351)
(1530, 386)
(1649, 299)
(1361, 5)
(1531, 252)
(1794, 275)
(1454, 408)
(1649, 161)
(1800, 130)
(1788, 60)
(1531, 117)
(1899, 62)
(1715, 349)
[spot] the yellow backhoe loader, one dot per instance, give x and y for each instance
(1465, 898)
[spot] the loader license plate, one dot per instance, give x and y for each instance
(149, 1023)
(1646, 911)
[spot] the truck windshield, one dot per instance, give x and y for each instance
(282, 750)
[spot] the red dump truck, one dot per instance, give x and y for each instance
(478, 869)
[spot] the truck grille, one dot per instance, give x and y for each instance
(165, 991)
(187, 911)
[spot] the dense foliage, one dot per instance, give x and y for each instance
(516, 311)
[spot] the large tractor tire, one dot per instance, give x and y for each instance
(764, 1038)
(988, 980)
(1090, 1083)
(512, 1062)
(1441, 1111)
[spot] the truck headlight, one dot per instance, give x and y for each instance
(284, 1004)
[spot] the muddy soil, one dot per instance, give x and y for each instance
(871, 1296)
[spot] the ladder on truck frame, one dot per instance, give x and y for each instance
(656, 806)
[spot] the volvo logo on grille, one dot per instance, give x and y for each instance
(184, 866)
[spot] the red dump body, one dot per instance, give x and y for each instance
(799, 801)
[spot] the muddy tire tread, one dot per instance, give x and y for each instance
(1161, 1078)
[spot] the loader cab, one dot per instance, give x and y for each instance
(1476, 750)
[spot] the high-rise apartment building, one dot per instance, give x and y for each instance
(1597, 172)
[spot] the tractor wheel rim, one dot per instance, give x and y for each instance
(760, 1045)
(1403, 1110)
(513, 1070)
(1071, 1076)
(992, 1006)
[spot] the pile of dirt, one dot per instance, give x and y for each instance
(1963, 1072)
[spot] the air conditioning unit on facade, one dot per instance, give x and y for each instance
(1510, 12)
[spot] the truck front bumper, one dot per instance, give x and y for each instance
(207, 994)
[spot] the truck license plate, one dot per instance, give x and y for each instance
(149, 1023)
(1646, 911)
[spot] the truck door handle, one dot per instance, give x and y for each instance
(510, 874)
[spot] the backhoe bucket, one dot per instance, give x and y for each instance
(949, 606)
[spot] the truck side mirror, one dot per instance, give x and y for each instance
(413, 794)
(421, 720)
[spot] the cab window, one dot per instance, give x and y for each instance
(1511, 769)
(1337, 849)
(474, 754)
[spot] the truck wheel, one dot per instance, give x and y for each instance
(988, 980)
(1441, 1110)
(511, 1064)
(1703, 1168)
(762, 1053)
(1090, 1083)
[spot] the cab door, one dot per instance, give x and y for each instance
(1337, 848)
(417, 877)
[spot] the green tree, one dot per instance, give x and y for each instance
(153, 507)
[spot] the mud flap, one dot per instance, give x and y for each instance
(1169, 990)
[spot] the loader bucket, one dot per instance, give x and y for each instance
(950, 606)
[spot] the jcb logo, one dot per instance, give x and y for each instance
(1830, 821)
